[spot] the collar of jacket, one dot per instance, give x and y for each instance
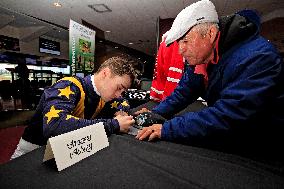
(234, 29)
(89, 87)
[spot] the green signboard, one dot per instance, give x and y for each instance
(81, 48)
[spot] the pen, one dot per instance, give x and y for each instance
(120, 112)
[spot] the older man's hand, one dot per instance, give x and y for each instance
(150, 132)
(141, 111)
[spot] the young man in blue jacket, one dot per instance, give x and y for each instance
(244, 90)
(73, 102)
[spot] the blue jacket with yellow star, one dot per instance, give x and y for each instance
(70, 104)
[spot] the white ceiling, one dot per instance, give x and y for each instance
(128, 21)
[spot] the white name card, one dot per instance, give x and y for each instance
(72, 147)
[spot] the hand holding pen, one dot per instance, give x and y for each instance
(121, 112)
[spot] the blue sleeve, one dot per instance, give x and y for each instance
(58, 107)
(190, 87)
(247, 93)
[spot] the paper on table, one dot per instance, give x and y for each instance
(72, 147)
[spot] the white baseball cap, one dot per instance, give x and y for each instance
(200, 12)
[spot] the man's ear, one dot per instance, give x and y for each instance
(105, 72)
(213, 32)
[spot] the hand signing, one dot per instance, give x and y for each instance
(123, 113)
(125, 122)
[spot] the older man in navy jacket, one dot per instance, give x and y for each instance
(244, 90)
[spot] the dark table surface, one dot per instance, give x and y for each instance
(129, 163)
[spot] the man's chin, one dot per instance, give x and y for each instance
(106, 99)
(194, 62)
(190, 61)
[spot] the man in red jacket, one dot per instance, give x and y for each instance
(168, 71)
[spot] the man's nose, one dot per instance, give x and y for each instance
(118, 94)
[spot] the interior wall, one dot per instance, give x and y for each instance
(273, 31)
(164, 26)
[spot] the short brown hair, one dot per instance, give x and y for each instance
(119, 66)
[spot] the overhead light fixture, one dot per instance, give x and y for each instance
(57, 4)
(116, 47)
(100, 41)
(130, 43)
(107, 31)
(100, 8)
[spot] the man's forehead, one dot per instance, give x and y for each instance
(187, 34)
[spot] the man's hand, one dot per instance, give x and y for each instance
(123, 113)
(152, 132)
(125, 122)
(141, 111)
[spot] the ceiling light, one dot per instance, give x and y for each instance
(100, 41)
(116, 47)
(57, 4)
(130, 43)
(108, 31)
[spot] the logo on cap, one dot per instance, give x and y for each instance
(200, 18)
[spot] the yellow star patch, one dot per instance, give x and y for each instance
(70, 116)
(52, 113)
(124, 103)
(66, 92)
(114, 104)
